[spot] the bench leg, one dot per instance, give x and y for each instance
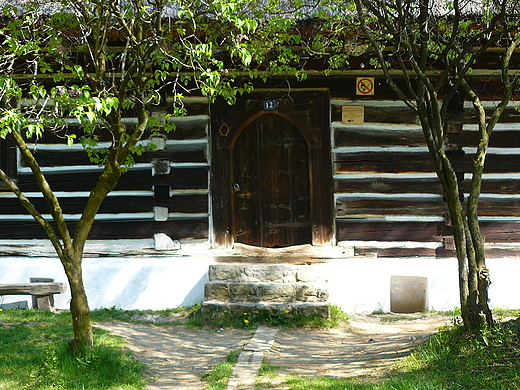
(43, 302)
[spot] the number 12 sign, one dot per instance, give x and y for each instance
(269, 105)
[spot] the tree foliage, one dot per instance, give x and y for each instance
(94, 62)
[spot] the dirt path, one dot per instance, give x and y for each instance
(365, 347)
(177, 356)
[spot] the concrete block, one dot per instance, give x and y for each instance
(408, 294)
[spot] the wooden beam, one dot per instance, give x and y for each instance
(32, 288)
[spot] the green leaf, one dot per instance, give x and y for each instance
(78, 69)
(70, 139)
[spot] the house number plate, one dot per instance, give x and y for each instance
(269, 105)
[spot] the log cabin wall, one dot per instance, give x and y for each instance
(166, 191)
(387, 193)
(385, 190)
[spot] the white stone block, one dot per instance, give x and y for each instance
(163, 242)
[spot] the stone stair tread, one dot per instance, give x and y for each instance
(278, 288)
(268, 292)
(259, 304)
(239, 308)
(281, 273)
(222, 282)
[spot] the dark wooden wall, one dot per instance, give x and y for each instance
(386, 189)
(166, 191)
(384, 185)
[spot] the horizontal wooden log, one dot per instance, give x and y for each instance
(439, 253)
(363, 230)
(196, 228)
(381, 207)
(389, 162)
(403, 162)
(32, 288)
(74, 204)
(135, 179)
(501, 231)
(373, 114)
(494, 231)
(395, 252)
(194, 129)
(499, 207)
(498, 139)
(378, 135)
(360, 207)
(70, 157)
(496, 186)
(388, 185)
(495, 163)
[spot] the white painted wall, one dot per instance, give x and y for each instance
(128, 283)
(357, 284)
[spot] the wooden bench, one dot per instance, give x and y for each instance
(41, 289)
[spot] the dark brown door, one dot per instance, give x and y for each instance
(271, 193)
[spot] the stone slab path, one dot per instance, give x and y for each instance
(251, 357)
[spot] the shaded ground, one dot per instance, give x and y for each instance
(365, 347)
(177, 356)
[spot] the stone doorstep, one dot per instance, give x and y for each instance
(238, 309)
(270, 273)
(265, 292)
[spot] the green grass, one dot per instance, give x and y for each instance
(225, 319)
(450, 360)
(34, 355)
(218, 377)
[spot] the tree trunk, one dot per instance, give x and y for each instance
(83, 342)
(473, 275)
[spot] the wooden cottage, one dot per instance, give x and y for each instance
(335, 158)
(319, 162)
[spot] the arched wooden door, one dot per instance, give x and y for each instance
(271, 169)
(271, 201)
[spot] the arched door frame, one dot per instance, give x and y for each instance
(309, 111)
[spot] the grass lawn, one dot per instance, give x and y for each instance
(34, 355)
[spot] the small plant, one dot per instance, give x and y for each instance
(268, 370)
(220, 374)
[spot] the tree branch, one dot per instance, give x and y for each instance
(31, 209)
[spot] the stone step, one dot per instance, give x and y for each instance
(266, 273)
(264, 292)
(238, 309)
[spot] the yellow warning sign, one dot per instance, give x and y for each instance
(364, 86)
